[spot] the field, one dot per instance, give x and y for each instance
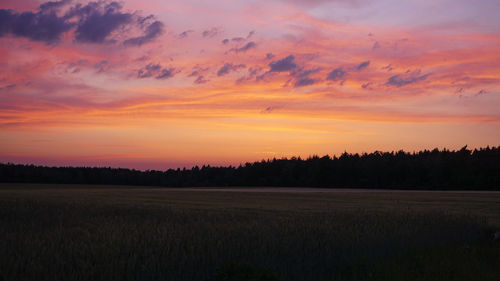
(71, 232)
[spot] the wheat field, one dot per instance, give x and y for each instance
(72, 232)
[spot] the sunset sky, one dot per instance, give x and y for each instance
(153, 84)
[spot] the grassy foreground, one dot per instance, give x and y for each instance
(63, 232)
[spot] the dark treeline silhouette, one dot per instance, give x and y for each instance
(428, 169)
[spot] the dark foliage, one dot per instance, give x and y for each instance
(436, 169)
(237, 272)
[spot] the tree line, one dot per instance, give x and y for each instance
(429, 169)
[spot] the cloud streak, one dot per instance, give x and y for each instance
(152, 31)
(400, 80)
(228, 68)
(212, 32)
(157, 71)
(246, 47)
(363, 65)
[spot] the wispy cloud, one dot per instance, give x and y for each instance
(185, 34)
(363, 65)
(246, 47)
(406, 78)
(212, 32)
(157, 71)
(229, 67)
(151, 32)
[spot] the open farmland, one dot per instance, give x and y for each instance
(75, 232)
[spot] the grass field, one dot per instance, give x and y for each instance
(64, 232)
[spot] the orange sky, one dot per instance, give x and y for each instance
(290, 80)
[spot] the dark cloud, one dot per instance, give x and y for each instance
(270, 56)
(366, 85)
(94, 22)
(201, 80)
(44, 25)
(306, 81)
(142, 58)
(302, 77)
(252, 74)
(210, 32)
(194, 73)
(463, 94)
(185, 33)
(238, 39)
(304, 73)
(144, 21)
(229, 67)
(8, 87)
(149, 70)
(388, 67)
(400, 80)
(252, 71)
(151, 32)
(363, 65)
(98, 21)
(53, 5)
(246, 47)
(6, 20)
(285, 64)
(166, 73)
(198, 70)
(297, 74)
(481, 92)
(157, 71)
(270, 109)
(75, 67)
(102, 66)
(336, 74)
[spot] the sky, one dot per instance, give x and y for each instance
(154, 84)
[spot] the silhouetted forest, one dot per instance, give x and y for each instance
(428, 169)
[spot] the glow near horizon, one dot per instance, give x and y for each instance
(433, 80)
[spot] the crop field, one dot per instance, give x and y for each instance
(76, 232)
